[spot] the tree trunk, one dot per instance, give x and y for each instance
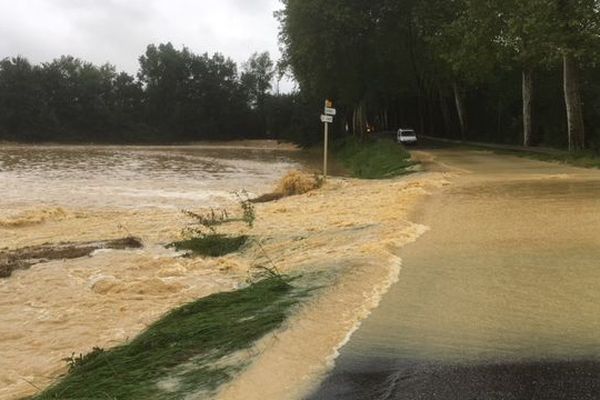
(386, 122)
(354, 122)
(445, 114)
(421, 112)
(499, 118)
(573, 103)
(431, 128)
(460, 109)
(360, 121)
(527, 107)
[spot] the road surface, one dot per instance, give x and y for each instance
(499, 300)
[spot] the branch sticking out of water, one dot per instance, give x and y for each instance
(24, 258)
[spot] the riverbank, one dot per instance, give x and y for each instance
(374, 158)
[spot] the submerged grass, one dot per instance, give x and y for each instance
(373, 159)
(212, 245)
(583, 159)
(182, 354)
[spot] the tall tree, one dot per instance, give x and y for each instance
(21, 100)
(527, 29)
(578, 38)
(257, 77)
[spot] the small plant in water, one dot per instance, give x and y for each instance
(203, 236)
(249, 212)
(74, 362)
(205, 224)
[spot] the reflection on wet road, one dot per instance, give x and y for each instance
(499, 300)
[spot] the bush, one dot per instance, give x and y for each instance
(211, 245)
(203, 237)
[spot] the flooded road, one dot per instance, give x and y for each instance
(499, 300)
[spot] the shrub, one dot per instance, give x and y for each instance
(211, 245)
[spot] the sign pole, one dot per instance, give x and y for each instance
(326, 150)
(327, 118)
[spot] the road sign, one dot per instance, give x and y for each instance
(326, 119)
(330, 111)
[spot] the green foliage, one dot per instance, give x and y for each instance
(584, 159)
(188, 347)
(257, 77)
(74, 362)
(248, 209)
(176, 96)
(206, 223)
(211, 245)
(374, 159)
(399, 64)
(203, 236)
(294, 117)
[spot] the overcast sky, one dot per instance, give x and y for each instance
(117, 31)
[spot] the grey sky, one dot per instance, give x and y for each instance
(118, 31)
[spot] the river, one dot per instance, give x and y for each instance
(54, 194)
(500, 299)
(137, 177)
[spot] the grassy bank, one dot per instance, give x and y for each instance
(186, 351)
(373, 159)
(583, 159)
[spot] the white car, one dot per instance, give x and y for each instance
(406, 136)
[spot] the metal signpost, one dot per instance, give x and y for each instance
(326, 119)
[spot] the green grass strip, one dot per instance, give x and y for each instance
(183, 348)
(582, 159)
(373, 159)
(214, 245)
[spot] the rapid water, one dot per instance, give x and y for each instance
(499, 300)
(55, 194)
(136, 177)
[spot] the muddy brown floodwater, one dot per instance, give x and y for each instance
(74, 194)
(500, 299)
(478, 278)
(330, 237)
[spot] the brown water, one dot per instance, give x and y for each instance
(68, 193)
(505, 272)
(501, 291)
(65, 306)
(136, 177)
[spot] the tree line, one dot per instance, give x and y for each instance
(508, 71)
(175, 96)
